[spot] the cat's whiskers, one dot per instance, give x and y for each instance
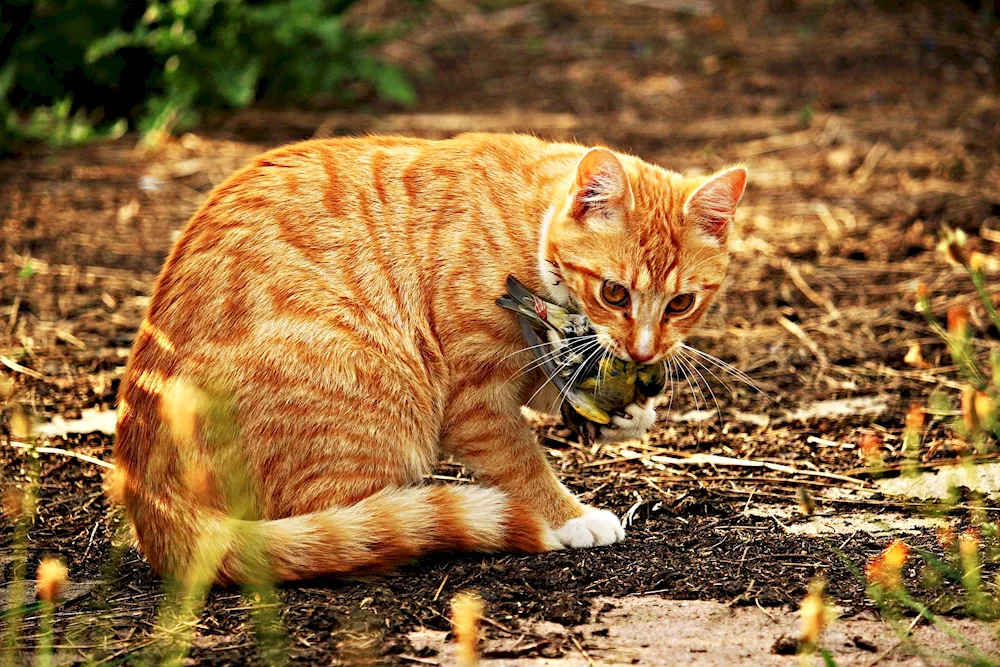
(548, 378)
(730, 369)
(694, 367)
(669, 369)
(564, 393)
(575, 347)
(701, 364)
(682, 365)
(523, 349)
(557, 369)
(571, 350)
(542, 358)
(600, 369)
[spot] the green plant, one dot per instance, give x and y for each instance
(884, 585)
(19, 505)
(76, 69)
(980, 371)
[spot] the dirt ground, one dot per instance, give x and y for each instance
(867, 127)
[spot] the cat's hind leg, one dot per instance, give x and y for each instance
(316, 468)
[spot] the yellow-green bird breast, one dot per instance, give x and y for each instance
(612, 386)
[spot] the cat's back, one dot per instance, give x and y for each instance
(319, 199)
(354, 183)
(345, 216)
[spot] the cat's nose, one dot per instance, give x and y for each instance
(642, 348)
(639, 357)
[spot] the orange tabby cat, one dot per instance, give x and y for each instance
(325, 329)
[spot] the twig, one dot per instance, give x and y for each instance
(871, 161)
(583, 651)
(62, 452)
(928, 376)
(929, 465)
(799, 333)
(440, 588)
(128, 651)
(90, 542)
(813, 440)
(712, 459)
(656, 488)
(18, 368)
(845, 501)
(757, 602)
(793, 272)
(879, 658)
(514, 633)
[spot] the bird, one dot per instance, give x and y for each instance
(596, 387)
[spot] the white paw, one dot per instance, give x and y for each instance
(634, 424)
(595, 528)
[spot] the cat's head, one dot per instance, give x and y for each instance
(640, 250)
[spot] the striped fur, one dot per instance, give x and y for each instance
(324, 330)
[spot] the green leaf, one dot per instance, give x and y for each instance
(159, 62)
(390, 83)
(110, 43)
(237, 84)
(7, 74)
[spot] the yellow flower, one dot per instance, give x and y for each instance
(466, 612)
(915, 357)
(983, 263)
(814, 615)
(958, 321)
(182, 405)
(968, 544)
(871, 448)
(114, 486)
(970, 416)
(985, 407)
(952, 246)
(915, 417)
(50, 580)
(885, 569)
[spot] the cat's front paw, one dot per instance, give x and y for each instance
(594, 529)
(636, 421)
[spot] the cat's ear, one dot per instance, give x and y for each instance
(601, 186)
(712, 206)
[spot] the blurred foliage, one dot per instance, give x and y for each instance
(977, 358)
(71, 70)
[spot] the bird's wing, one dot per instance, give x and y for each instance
(522, 300)
(518, 291)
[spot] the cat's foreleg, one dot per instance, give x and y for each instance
(503, 452)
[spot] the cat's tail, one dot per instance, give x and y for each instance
(380, 532)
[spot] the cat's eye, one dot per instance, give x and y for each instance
(614, 294)
(680, 304)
